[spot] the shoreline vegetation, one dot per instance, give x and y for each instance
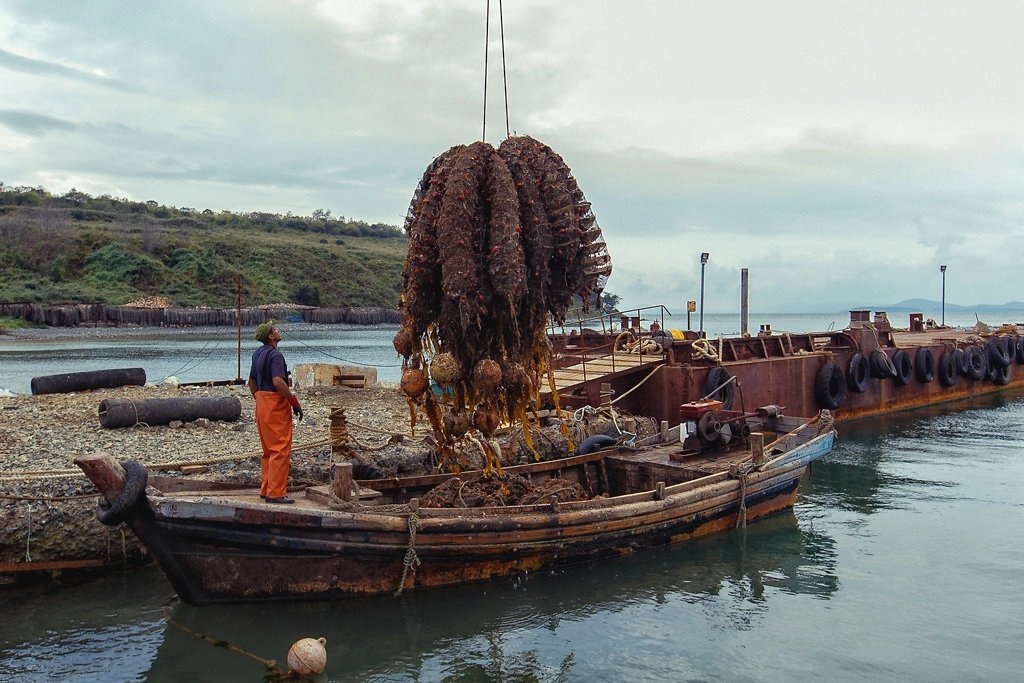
(78, 249)
(105, 315)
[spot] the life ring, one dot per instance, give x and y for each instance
(924, 365)
(998, 354)
(135, 480)
(904, 368)
(1001, 376)
(977, 361)
(717, 376)
(829, 386)
(857, 374)
(949, 368)
(595, 443)
(881, 365)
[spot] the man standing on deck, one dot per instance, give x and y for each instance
(268, 383)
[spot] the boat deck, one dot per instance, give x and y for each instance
(598, 367)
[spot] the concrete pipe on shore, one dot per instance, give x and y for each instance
(115, 413)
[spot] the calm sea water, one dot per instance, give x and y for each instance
(196, 355)
(901, 561)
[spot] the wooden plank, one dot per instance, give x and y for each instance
(49, 565)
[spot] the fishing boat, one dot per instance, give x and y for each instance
(716, 470)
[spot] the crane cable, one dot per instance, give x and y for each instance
(504, 74)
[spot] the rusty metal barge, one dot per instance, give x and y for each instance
(866, 369)
(218, 545)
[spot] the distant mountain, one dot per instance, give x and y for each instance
(921, 305)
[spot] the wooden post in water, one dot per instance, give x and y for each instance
(744, 303)
(238, 323)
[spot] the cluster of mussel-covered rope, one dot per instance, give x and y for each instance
(499, 239)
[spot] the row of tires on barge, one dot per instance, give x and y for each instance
(988, 361)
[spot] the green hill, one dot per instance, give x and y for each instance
(77, 248)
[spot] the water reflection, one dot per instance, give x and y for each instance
(470, 632)
(873, 465)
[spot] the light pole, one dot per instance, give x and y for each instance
(942, 269)
(703, 262)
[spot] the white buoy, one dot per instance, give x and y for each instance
(308, 656)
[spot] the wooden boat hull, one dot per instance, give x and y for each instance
(214, 550)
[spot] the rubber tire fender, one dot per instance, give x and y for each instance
(133, 491)
(948, 368)
(1001, 376)
(904, 368)
(997, 352)
(924, 365)
(857, 374)
(595, 443)
(717, 376)
(1019, 349)
(963, 362)
(881, 365)
(978, 363)
(829, 386)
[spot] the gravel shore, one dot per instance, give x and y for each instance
(49, 506)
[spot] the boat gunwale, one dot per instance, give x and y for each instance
(539, 514)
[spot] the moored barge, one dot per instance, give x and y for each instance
(866, 369)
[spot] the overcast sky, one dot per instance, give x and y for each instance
(839, 150)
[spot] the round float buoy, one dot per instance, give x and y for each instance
(307, 656)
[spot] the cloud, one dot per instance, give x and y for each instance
(39, 67)
(30, 123)
(840, 152)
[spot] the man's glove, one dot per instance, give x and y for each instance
(296, 407)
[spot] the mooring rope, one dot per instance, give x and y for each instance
(741, 517)
(270, 664)
(411, 559)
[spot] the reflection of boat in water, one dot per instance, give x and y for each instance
(734, 576)
(224, 546)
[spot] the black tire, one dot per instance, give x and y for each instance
(963, 362)
(977, 361)
(881, 365)
(1001, 376)
(829, 386)
(1019, 350)
(133, 491)
(904, 368)
(998, 356)
(718, 376)
(949, 368)
(857, 374)
(595, 443)
(924, 365)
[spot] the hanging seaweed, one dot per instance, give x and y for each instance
(498, 240)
